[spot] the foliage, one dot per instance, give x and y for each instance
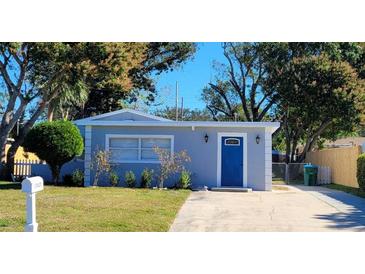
(186, 115)
(56, 143)
(184, 180)
(130, 179)
(78, 177)
(51, 76)
(143, 61)
(361, 171)
(100, 163)
(322, 97)
(239, 91)
(257, 80)
(146, 178)
(67, 180)
(170, 164)
(113, 178)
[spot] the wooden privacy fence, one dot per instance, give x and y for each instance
(341, 161)
(23, 168)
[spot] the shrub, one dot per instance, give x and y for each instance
(130, 179)
(113, 178)
(184, 180)
(56, 142)
(67, 180)
(74, 179)
(361, 171)
(146, 178)
(78, 177)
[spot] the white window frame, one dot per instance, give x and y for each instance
(139, 137)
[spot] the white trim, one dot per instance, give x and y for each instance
(219, 155)
(87, 156)
(126, 110)
(268, 160)
(270, 125)
(139, 136)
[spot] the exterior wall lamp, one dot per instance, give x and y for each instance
(206, 137)
(258, 139)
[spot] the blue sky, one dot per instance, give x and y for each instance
(191, 77)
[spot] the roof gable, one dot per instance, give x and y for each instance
(123, 115)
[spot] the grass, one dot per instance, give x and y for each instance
(9, 185)
(351, 190)
(93, 209)
(276, 181)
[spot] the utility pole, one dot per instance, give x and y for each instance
(177, 102)
(182, 109)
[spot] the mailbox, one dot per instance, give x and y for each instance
(32, 184)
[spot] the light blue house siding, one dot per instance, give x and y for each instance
(205, 161)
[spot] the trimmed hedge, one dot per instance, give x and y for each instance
(56, 142)
(361, 171)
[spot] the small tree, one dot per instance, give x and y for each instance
(170, 164)
(100, 162)
(361, 171)
(56, 143)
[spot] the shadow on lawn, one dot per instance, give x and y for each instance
(10, 185)
(351, 209)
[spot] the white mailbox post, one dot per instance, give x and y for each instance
(31, 186)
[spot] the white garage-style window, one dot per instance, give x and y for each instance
(137, 148)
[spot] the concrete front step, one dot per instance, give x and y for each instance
(231, 189)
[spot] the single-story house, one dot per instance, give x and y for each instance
(223, 154)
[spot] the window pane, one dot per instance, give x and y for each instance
(148, 154)
(124, 142)
(151, 142)
(124, 154)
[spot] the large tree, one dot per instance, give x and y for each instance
(258, 81)
(239, 90)
(303, 121)
(155, 59)
(319, 97)
(36, 74)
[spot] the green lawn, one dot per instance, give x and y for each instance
(92, 209)
(351, 190)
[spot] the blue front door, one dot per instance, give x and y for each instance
(232, 161)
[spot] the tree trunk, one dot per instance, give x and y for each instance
(55, 173)
(10, 159)
(3, 140)
(20, 139)
(313, 139)
(50, 113)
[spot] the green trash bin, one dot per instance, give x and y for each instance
(310, 175)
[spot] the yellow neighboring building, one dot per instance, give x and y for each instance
(21, 155)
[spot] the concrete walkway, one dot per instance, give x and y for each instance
(295, 209)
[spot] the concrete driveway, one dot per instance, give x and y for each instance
(295, 209)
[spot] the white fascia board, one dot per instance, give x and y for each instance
(272, 125)
(96, 117)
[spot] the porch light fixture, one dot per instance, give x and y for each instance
(206, 137)
(258, 139)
